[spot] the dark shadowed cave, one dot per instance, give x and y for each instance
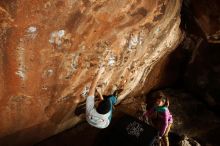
(50, 50)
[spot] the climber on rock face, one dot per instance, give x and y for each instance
(99, 117)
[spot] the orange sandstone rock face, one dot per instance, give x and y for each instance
(50, 51)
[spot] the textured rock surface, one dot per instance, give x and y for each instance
(193, 118)
(51, 49)
(202, 72)
(202, 76)
(207, 16)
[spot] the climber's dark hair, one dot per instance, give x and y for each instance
(105, 105)
(163, 97)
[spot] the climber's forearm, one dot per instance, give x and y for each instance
(100, 94)
(94, 84)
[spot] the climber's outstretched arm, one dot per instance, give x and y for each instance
(95, 81)
(100, 93)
